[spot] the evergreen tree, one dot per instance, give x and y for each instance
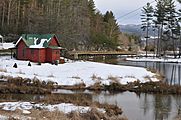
(171, 27)
(147, 17)
(160, 15)
(92, 7)
(179, 21)
(111, 26)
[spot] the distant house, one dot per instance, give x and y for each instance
(38, 48)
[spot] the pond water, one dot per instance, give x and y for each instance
(143, 106)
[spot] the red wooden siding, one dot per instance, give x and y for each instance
(55, 55)
(21, 51)
(49, 55)
(54, 42)
(52, 55)
(42, 55)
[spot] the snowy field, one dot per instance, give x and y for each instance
(151, 59)
(75, 73)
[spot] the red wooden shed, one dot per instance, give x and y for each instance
(38, 48)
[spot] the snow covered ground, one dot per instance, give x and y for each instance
(151, 59)
(75, 73)
(63, 107)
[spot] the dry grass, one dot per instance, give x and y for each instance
(20, 72)
(152, 70)
(57, 115)
(76, 77)
(113, 79)
(3, 70)
(95, 77)
(47, 115)
(129, 76)
(160, 77)
(96, 86)
(77, 99)
(94, 114)
(147, 78)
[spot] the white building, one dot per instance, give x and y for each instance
(1, 42)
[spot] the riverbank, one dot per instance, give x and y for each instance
(29, 111)
(56, 106)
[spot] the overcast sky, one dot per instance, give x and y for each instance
(122, 7)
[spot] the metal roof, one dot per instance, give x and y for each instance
(36, 40)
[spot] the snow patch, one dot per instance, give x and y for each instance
(63, 107)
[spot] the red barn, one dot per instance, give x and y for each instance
(38, 48)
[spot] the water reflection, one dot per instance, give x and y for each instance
(20, 97)
(143, 106)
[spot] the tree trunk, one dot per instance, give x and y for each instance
(9, 12)
(158, 41)
(3, 16)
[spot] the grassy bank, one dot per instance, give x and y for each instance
(24, 86)
(56, 115)
(35, 86)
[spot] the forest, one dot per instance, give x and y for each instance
(77, 23)
(165, 20)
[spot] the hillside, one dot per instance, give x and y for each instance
(134, 29)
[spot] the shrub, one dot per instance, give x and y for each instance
(56, 62)
(29, 64)
(15, 65)
(39, 63)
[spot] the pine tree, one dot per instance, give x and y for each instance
(160, 15)
(171, 27)
(147, 17)
(92, 7)
(111, 26)
(179, 21)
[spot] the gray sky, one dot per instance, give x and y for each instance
(122, 7)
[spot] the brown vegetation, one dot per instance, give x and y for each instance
(21, 86)
(57, 115)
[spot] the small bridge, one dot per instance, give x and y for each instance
(76, 54)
